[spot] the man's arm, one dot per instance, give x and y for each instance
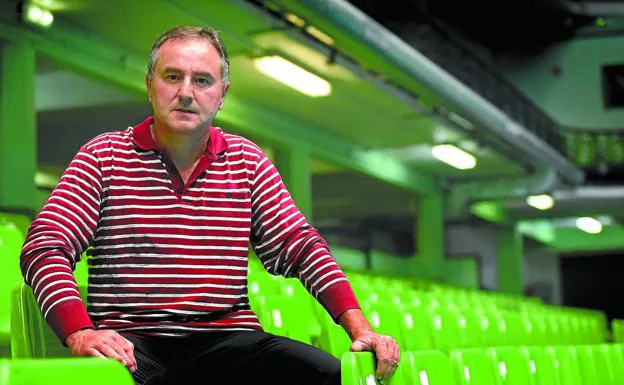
(288, 245)
(56, 239)
(366, 339)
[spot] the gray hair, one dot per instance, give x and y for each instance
(186, 32)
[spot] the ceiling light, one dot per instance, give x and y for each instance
(540, 202)
(39, 16)
(454, 156)
(589, 225)
(293, 76)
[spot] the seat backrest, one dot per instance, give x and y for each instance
(472, 367)
(11, 239)
(74, 371)
(444, 327)
(386, 318)
(9, 275)
(290, 316)
(566, 364)
(417, 329)
(511, 367)
(426, 367)
(31, 336)
(617, 326)
(542, 368)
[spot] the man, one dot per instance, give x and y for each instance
(169, 206)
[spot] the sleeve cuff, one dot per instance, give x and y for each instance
(338, 298)
(69, 317)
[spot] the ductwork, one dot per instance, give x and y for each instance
(545, 181)
(595, 8)
(580, 201)
(551, 164)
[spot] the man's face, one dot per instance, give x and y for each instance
(186, 91)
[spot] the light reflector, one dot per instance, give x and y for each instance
(454, 156)
(589, 225)
(293, 76)
(38, 16)
(540, 202)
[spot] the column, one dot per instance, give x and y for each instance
(295, 169)
(510, 260)
(430, 236)
(18, 139)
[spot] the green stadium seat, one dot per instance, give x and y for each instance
(595, 365)
(357, 368)
(472, 367)
(427, 368)
(9, 275)
(22, 222)
(535, 329)
(474, 328)
(63, 371)
(567, 367)
(334, 339)
(541, 365)
(444, 326)
(417, 329)
(511, 367)
(617, 327)
(605, 364)
(616, 356)
(31, 336)
(11, 240)
(495, 329)
(290, 317)
(416, 368)
(515, 331)
(386, 318)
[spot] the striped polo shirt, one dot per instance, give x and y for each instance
(169, 258)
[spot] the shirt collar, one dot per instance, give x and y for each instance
(142, 138)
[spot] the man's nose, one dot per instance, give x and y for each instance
(185, 92)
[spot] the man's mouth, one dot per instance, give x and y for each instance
(187, 110)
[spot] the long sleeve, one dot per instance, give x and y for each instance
(55, 241)
(288, 245)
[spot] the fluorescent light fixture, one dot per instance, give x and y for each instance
(589, 225)
(540, 202)
(324, 38)
(454, 156)
(293, 76)
(38, 16)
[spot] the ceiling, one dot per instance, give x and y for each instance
(373, 105)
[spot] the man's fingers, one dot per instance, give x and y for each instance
(93, 352)
(385, 369)
(387, 352)
(109, 351)
(384, 359)
(128, 350)
(397, 352)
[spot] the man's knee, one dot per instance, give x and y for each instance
(334, 377)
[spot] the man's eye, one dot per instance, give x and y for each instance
(203, 81)
(172, 77)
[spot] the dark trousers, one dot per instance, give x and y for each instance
(238, 357)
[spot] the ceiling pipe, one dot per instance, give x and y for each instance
(595, 9)
(468, 103)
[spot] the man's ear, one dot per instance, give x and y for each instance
(225, 91)
(148, 86)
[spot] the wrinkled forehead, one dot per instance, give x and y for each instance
(189, 54)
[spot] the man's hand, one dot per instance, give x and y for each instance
(385, 348)
(102, 343)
